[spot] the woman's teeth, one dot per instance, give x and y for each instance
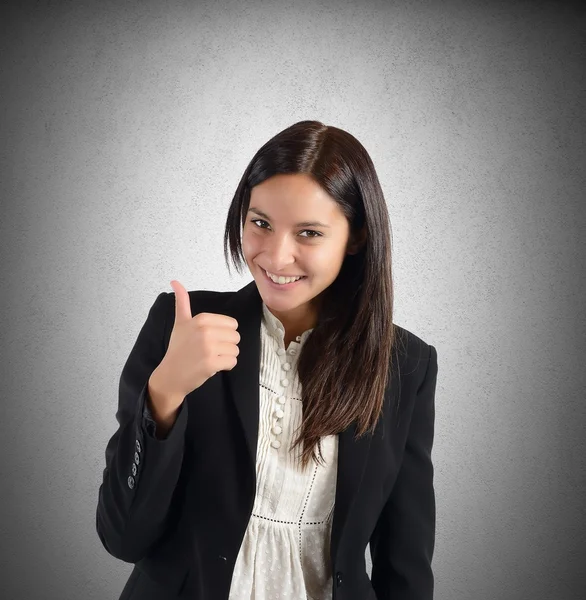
(282, 280)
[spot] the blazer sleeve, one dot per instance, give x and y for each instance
(403, 540)
(141, 471)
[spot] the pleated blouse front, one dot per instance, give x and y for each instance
(285, 552)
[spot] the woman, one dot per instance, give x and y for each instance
(267, 436)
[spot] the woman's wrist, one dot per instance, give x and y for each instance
(163, 405)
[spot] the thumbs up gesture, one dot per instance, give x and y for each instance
(199, 347)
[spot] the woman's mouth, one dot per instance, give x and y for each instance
(282, 286)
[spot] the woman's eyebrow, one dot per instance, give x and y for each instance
(303, 224)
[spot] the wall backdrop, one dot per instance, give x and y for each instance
(125, 128)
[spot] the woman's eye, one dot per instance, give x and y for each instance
(255, 221)
(317, 233)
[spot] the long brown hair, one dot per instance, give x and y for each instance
(345, 363)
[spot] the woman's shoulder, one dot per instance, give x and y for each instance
(411, 352)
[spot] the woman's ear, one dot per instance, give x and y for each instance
(356, 242)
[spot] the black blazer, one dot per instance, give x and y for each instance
(178, 507)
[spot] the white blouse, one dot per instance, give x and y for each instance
(285, 552)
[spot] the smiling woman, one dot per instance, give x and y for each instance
(268, 435)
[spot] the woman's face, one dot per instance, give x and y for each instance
(277, 236)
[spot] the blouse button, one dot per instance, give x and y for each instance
(284, 382)
(279, 413)
(286, 366)
(281, 399)
(276, 444)
(280, 351)
(277, 430)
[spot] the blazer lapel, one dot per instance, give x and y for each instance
(352, 458)
(243, 381)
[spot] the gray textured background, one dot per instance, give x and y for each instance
(125, 128)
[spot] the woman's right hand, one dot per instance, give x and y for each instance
(199, 347)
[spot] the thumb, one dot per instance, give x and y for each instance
(182, 302)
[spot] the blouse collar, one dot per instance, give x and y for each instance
(276, 328)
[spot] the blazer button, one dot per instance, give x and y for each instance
(136, 458)
(130, 482)
(338, 579)
(134, 469)
(138, 446)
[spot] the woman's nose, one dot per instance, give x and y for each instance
(280, 252)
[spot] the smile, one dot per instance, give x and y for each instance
(283, 286)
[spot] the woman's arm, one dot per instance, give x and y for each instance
(403, 540)
(141, 471)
